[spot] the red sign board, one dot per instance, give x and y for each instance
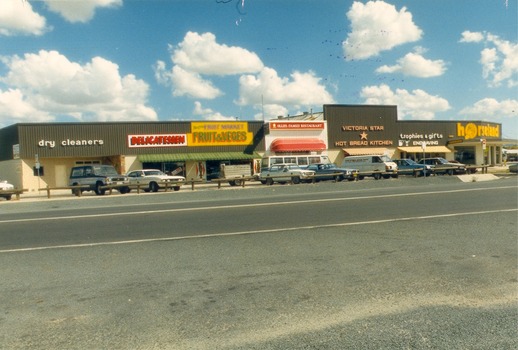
(296, 126)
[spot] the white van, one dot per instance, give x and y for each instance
(372, 165)
(301, 160)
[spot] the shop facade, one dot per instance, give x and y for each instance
(369, 129)
(34, 156)
(301, 139)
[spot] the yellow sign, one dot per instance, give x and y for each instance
(472, 130)
(219, 134)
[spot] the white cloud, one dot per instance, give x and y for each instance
(471, 37)
(186, 83)
(199, 56)
(15, 109)
(81, 10)
(202, 54)
(416, 104)
(53, 85)
(303, 89)
(490, 107)
(209, 114)
(413, 64)
(18, 18)
(377, 26)
(272, 111)
(499, 59)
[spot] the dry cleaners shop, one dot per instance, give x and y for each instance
(34, 156)
(363, 130)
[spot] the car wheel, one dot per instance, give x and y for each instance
(338, 178)
(153, 187)
(295, 180)
(377, 176)
(263, 182)
(450, 172)
(76, 191)
(176, 188)
(386, 176)
(124, 190)
(269, 181)
(98, 190)
(8, 197)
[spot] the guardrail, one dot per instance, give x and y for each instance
(238, 181)
(77, 190)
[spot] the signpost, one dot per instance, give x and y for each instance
(423, 146)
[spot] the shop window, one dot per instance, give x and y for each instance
(465, 154)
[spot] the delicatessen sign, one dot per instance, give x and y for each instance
(157, 140)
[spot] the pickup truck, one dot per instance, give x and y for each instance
(283, 173)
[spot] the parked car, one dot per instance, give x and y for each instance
(410, 167)
(95, 177)
(6, 186)
(513, 168)
(442, 166)
(372, 165)
(329, 171)
(470, 169)
(152, 179)
(283, 173)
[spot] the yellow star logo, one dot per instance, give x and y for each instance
(363, 136)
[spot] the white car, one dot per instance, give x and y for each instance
(283, 173)
(6, 186)
(152, 180)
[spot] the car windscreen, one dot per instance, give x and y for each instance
(153, 172)
(105, 171)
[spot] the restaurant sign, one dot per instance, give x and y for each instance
(296, 126)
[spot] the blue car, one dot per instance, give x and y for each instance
(409, 167)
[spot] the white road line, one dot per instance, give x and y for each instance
(305, 201)
(242, 233)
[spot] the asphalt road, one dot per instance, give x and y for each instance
(392, 264)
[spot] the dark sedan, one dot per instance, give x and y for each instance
(410, 167)
(329, 171)
(443, 166)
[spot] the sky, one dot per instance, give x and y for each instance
(195, 60)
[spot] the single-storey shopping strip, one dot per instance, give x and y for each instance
(36, 155)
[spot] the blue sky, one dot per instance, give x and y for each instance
(151, 60)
